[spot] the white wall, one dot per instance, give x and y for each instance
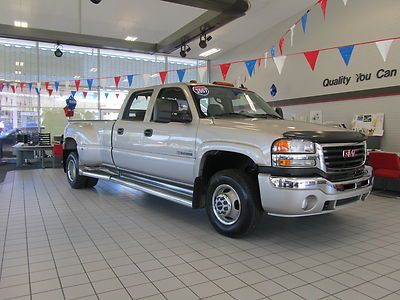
(359, 21)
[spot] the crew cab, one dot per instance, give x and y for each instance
(221, 148)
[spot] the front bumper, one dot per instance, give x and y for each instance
(297, 197)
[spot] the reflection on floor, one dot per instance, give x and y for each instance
(115, 243)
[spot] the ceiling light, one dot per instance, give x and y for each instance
(19, 63)
(93, 70)
(18, 72)
(131, 38)
(210, 52)
(203, 40)
(77, 77)
(22, 24)
(58, 52)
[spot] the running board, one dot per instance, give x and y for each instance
(179, 198)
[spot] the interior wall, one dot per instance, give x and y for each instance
(359, 21)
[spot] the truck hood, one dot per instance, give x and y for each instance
(290, 129)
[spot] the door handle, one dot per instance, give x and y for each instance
(120, 131)
(148, 132)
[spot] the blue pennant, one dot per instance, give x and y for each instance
(181, 74)
(106, 94)
(304, 21)
(37, 91)
(272, 51)
(346, 53)
(250, 66)
(73, 93)
(30, 84)
(56, 85)
(130, 79)
(90, 84)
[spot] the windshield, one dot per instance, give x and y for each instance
(214, 101)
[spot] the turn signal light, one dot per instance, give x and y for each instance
(281, 146)
(284, 162)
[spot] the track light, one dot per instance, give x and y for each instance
(184, 50)
(95, 1)
(203, 40)
(58, 52)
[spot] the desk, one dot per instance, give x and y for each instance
(23, 152)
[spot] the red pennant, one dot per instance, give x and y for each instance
(281, 44)
(259, 62)
(116, 80)
(21, 85)
(323, 4)
(50, 92)
(47, 85)
(77, 84)
(13, 88)
(117, 95)
(84, 94)
(312, 57)
(224, 69)
(163, 76)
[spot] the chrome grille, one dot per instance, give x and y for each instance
(335, 159)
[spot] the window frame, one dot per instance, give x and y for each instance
(125, 115)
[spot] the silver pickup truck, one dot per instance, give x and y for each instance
(221, 148)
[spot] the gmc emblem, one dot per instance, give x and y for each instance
(349, 153)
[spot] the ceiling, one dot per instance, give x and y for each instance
(149, 20)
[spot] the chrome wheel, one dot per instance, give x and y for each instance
(71, 170)
(226, 204)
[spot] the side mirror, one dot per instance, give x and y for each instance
(279, 111)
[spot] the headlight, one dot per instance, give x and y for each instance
(293, 153)
(293, 146)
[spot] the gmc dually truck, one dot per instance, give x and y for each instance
(222, 148)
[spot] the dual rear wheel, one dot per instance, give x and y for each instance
(75, 180)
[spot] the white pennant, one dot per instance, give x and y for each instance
(39, 85)
(67, 87)
(384, 48)
(146, 78)
(265, 59)
(345, 2)
(292, 34)
(280, 62)
(202, 73)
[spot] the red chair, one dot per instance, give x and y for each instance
(386, 169)
(57, 153)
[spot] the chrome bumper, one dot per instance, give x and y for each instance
(296, 197)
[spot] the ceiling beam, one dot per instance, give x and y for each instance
(219, 13)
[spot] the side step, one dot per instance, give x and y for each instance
(153, 187)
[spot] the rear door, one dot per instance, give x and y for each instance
(169, 148)
(128, 132)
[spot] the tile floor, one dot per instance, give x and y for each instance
(115, 243)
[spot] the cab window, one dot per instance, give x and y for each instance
(178, 100)
(137, 105)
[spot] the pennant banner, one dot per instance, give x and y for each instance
(73, 93)
(13, 88)
(130, 79)
(281, 44)
(292, 34)
(46, 84)
(202, 73)
(56, 85)
(90, 84)
(117, 95)
(21, 86)
(106, 94)
(84, 94)
(181, 74)
(265, 59)
(280, 62)
(304, 22)
(224, 69)
(30, 85)
(384, 48)
(163, 76)
(346, 53)
(116, 80)
(50, 91)
(250, 66)
(77, 84)
(272, 51)
(312, 57)
(323, 4)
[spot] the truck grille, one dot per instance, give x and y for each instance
(343, 157)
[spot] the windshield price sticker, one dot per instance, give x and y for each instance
(201, 90)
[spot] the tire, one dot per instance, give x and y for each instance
(75, 180)
(230, 216)
(91, 182)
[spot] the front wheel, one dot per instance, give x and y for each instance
(233, 203)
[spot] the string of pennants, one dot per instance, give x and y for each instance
(311, 57)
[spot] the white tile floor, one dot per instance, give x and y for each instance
(115, 243)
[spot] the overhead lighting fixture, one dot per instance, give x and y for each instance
(22, 24)
(58, 52)
(18, 72)
(131, 38)
(184, 50)
(19, 63)
(77, 77)
(210, 52)
(203, 40)
(93, 70)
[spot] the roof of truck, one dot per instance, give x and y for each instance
(189, 84)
